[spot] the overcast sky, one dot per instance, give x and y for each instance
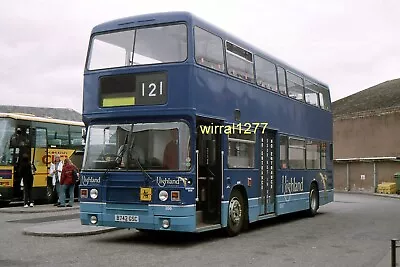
(348, 44)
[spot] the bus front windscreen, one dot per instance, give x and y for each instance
(151, 146)
(142, 46)
(7, 130)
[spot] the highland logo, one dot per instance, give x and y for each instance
(162, 181)
(86, 180)
(292, 185)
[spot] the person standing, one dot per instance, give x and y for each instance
(25, 171)
(67, 182)
(55, 172)
(171, 152)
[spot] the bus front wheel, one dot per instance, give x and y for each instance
(236, 213)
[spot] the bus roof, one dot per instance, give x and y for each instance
(175, 16)
(30, 117)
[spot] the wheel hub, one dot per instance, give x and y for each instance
(235, 210)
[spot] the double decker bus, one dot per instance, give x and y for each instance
(40, 138)
(192, 129)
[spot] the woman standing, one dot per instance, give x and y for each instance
(55, 172)
(25, 170)
(67, 182)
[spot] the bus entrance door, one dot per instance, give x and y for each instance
(267, 172)
(208, 205)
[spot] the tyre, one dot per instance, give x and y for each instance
(236, 213)
(313, 200)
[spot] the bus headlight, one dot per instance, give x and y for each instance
(93, 219)
(94, 193)
(163, 195)
(165, 223)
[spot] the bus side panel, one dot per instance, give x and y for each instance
(293, 187)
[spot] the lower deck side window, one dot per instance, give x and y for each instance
(241, 151)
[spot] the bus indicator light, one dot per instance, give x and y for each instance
(84, 193)
(175, 196)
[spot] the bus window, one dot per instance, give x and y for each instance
(239, 62)
(266, 74)
(241, 151)
(162, 44)
(282, 81)
(324, 98)
(283, 152)
(209, 50)
(57, 134)
(310, 93)
(295, 86)
(156, 146)
(75, 135)
(313, 155)
(296, 154)
(7, 131)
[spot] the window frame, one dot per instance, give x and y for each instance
(296, 147)
(94, 35)
(224, 70)
(286, 160)
(256, 76)
(252, 142)
(302, 85)
(252, 81)
(310, 142)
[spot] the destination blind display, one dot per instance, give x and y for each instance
(133, 89)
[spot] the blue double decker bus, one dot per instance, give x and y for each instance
(192, 129)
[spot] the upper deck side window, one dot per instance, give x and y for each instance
(324, 98)
(142, 46)
(311, 93)
(239, 62)
(317, 95)
(265, 73)
(282, 81)
(209, 50)
(295, 86)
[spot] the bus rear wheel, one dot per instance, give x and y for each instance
(236, 214)
(313, 200)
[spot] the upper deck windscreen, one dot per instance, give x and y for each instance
(151, 45)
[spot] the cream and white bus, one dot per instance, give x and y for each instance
(41, 138)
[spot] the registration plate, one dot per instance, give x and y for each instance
(126, 218)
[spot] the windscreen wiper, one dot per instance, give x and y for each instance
(131, 149)
(121, 151)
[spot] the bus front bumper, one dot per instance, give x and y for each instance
(180, 218)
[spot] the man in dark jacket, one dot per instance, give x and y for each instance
(25, 172)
